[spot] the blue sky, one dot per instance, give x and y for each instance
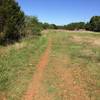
(61, 11)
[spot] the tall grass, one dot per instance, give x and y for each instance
(17, 65)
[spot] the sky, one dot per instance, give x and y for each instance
(61, 12)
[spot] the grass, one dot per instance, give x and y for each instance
(74, 51)
(17, 65)
(82, 57)
(88, 58)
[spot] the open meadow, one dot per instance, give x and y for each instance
(59, 65)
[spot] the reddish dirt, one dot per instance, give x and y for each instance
(33, 88)
(2, 96)
(68, 83)
(69, 88)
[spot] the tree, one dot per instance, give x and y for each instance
(95, 23)
(32, 26)
(52, 26)
(2, 15)
(11, 20)
(49, 26)
(45, 26)
(87, 26)
(75, 26)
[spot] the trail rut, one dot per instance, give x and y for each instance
(34, 86)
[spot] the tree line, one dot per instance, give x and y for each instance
(11, 20)
(14, 24)
(92, 25)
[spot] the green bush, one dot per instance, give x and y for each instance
(11, 21)
(32, 26)
(95, 23)
(75, 26)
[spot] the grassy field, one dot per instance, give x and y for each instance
(74, 66)
(72, 73)
(17, 66)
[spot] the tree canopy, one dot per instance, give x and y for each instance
(95, 23)
(75, 26)
(11, 20)
(14, 24)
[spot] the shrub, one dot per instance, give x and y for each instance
(95, 23)
(32, 26)
(11, 19)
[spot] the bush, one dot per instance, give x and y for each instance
(32, 26)
(11, 21)
(75, 26)
(95, 24)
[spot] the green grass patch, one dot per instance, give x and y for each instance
(17, 65)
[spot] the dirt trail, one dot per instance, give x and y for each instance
(35, 84)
